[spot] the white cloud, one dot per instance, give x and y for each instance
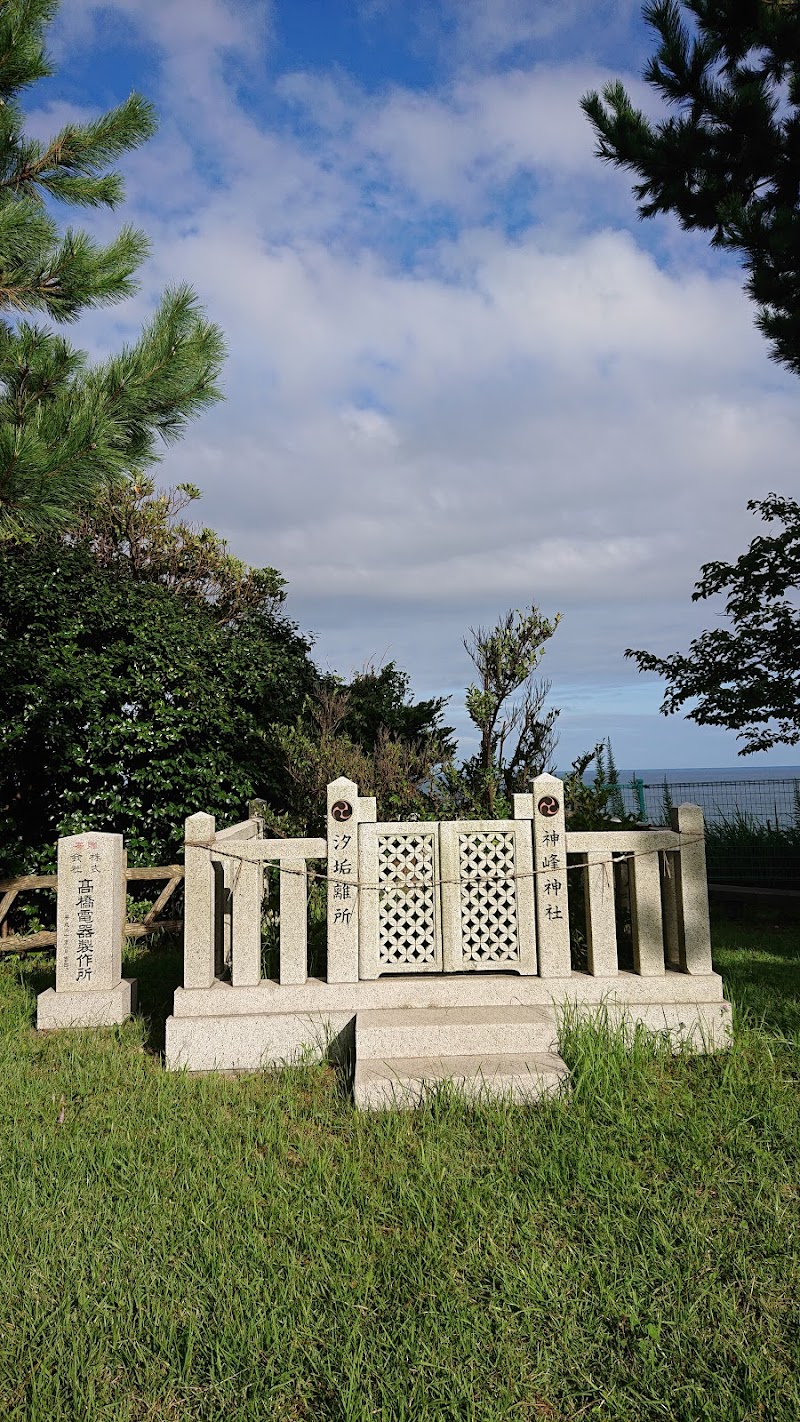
(483, 32)
(457, 148)
(491, 28)
(208, 28)
(428, 423)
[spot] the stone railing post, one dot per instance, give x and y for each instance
(669, 898)
(199, 916)
(691, 890)
(343, 876)
(646, 912)
(550, 869)
(293, 958)
(247, 892)
(90, 924)
(601, 923)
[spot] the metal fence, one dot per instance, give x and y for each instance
(752, 826)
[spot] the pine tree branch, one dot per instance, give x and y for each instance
(71, 164)
(67, 431)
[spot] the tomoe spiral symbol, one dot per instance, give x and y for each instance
(342, 810)
(548, 806)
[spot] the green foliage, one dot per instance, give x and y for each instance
(517, 737)
(138, 529)
(340, 732)
(729, 162)
(757, 950)
(379, 701)
(148, 674)
(746, 677)
(598, 803)
(607, 774)
(743, 850)
(142, 669)
(68, 428)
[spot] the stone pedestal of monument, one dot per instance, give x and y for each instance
(90, 990)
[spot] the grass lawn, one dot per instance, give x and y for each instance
(175, 1248)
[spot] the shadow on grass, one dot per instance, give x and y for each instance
(157, 967)
(757, 951)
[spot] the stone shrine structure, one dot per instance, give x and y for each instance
(448, 945)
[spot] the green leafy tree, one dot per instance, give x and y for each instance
(728, 162)
(67, 428)
(139, 529)
(380, 701)
(598, 803)
(372, 732)
(608, 775)
(143, 668)
(746, 677)
(507, 706)
(148, 673)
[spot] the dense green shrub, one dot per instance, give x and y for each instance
(128, 705)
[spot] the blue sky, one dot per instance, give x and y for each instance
(462, 376)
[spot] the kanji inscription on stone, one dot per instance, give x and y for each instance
(91, 912)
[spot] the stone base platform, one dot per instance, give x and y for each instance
(98, 1008)
(428, 1017)
(403, 1054)
(406, 1081)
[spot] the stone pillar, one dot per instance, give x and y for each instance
(343, 876)
(669, 898)
(247, 892)
(90, 924)
(199, 917)
(550, 866)
(293, 965)
(601, 923)
(646, 921)
(694, 933)
(525, 887)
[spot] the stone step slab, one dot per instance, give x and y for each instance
(454, 1031)
(405, 1082)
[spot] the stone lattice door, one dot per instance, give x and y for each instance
(400, 920)
(450, 897)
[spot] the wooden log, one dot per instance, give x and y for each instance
(50, 881)
(163, 871)
(30, 942)
(24, 943)
(141, 930)
(162, 898)
(29, 881)
(5, 904)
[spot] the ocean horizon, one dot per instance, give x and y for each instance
(684, 775)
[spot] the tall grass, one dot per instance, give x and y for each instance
(744, 850)
(180, 1248)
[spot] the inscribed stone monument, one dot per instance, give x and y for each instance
(90, 990)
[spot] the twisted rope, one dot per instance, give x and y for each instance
(226, 850)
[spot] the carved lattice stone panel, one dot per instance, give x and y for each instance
(407, 916)
(489, 929)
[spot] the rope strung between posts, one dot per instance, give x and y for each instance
(225, 851)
